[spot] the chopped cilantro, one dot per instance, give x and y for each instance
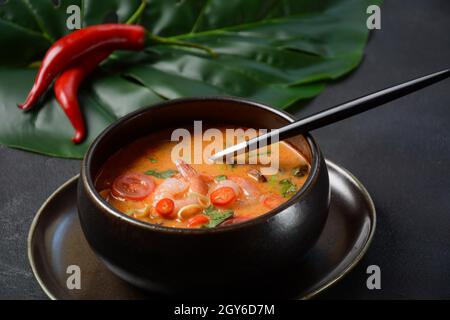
(216, 216)
(287, 187)
(161, 174)
(273, 180)
(220, 178)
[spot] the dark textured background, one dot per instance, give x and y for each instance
(401, 153)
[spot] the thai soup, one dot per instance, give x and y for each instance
(143, 181)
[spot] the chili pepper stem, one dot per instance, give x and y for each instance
(157, 39)
(35, 64)
(138, 13)
(167, 41)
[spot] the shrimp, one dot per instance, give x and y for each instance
(196, 183)
(170, 188)
(250, 192)
(174, 189)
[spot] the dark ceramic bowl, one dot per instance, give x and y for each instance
(240, 257)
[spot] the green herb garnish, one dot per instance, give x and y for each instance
(216, 216)
(272, 180)
(220, 178)
(152, 159)
(287, 187)
(161, 174)
(300, 171)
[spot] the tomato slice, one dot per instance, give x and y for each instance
(197, 221)
(235, 220)
(133, 186)
(165, 207)
(223, 196)
(272, 200)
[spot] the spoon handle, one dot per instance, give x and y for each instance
(359, 105)
(338, 113)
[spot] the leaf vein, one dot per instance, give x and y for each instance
(38, 21)
(199, 17)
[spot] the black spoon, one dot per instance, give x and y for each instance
(336, 113)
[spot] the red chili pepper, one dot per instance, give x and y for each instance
(223, 196)
(165, 207)
(74, 56)
(67, 85)
(78, 44)
(197, 220)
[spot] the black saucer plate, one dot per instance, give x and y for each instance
(56, 242)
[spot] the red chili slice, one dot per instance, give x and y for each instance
(272, 200)
(197, 221)
(223, 196)
(133, 186)
(165, 207)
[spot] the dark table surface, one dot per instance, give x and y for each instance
(400, 152)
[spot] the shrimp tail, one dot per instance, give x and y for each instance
(185, 170)
(197, 184)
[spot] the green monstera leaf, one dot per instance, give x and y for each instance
(273, 51)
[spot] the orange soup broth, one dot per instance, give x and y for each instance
(154, 153)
